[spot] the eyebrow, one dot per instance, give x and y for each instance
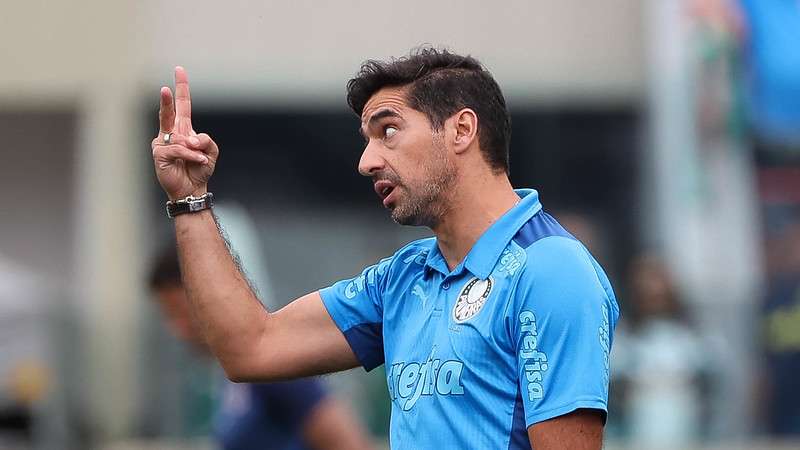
(381, 114)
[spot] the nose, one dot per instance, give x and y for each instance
(370, 162)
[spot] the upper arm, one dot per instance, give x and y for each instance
(337, 328)
(298, 340)
(356, 306)
(579, 430)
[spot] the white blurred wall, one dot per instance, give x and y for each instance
(537, 49)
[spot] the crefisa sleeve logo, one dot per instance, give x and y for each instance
(472, 298)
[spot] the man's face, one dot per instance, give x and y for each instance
(407, 160)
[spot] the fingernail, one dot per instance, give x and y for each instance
(204, 160)
(194, 141)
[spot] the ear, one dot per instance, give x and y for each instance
(465, 127)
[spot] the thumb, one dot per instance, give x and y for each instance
(205, 144)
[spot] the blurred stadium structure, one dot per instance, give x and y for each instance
(630, 117)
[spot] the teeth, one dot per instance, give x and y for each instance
(385, 191)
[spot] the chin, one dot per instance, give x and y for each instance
(404, 220)
(413, 211)
(414, 219)
(402, 217)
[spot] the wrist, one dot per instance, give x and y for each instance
(189, 204)
(183, 194)
(191, 193)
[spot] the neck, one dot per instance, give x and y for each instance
(472, 208)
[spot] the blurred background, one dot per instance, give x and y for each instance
(664, 134)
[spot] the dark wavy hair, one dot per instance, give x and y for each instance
(440, 83)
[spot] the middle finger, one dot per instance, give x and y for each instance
(183, 102)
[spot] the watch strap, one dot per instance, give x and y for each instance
(189, 204)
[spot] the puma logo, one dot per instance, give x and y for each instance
(420, 293)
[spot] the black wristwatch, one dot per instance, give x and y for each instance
(189, 204)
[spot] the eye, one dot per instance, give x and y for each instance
(389, 131)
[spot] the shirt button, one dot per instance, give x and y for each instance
(446, 285)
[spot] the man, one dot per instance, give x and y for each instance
(495, 333)
(290, 415)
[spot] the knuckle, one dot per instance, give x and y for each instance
(206, 139)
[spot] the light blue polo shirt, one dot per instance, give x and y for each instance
(518, 333)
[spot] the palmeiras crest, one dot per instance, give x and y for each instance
(472, 298)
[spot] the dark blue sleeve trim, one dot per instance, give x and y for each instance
(366, 340)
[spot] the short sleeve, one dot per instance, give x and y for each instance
(563, 319)
(356, 306)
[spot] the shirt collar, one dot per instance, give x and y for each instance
(483, 256)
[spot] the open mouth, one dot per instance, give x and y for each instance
(384, 189)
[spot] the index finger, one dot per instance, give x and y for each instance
(183, 102)
(166, 113)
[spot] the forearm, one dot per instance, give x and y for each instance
(251, 344)
(231, 317)
(581, 429)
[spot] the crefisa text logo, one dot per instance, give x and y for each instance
(472, 298)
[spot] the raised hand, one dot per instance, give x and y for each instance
(185, 161)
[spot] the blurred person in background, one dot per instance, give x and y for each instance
(767, 37)
(659, 362)
(781, 385)
(515, 355)
(25, 374)
(771, 50)
(291, 415)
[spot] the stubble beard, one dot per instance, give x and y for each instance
(425, 205)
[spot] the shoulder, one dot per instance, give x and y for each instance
(552, 252)
(548, 247)
(541, 226)
(560, 273)
(554, 259)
